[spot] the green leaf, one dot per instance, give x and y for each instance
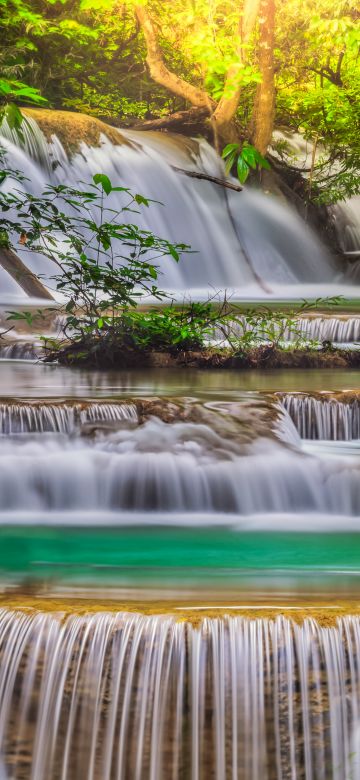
(141, 200)
(262, 161)
(229, 148)
(242, 170)
(249, 154)
(13, 116)
(5, 87)
(104, 181)
(230, 161)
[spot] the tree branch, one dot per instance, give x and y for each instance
(328, 73)
(228, 103)
(159, 71)
(214, 179)
(264, 105)
(191, 118)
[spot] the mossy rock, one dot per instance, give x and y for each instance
(72, 129)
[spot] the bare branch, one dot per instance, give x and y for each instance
(214, 179)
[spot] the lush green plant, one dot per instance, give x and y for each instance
(263, 325)
(9, 111)
(102, 264)
(171, 328)
(244, 158)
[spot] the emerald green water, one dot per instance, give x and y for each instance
(127, 554)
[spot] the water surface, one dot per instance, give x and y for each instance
(25, 379)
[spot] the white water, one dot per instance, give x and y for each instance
(19, 350)
(340, 330)
(282, 252)
(345, 215)
(324, 417)
(61, 417)
(106, 696)
(158, 467)
(346, 218)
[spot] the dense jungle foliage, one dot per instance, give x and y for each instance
(230, 71)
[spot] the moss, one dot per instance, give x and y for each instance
(72, 129)
(192, 612)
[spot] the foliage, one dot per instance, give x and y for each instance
(90, 55)
(170, 328)
(245, 158)
(10, 112)
(102, 264)
(318, 88)
(273, 327)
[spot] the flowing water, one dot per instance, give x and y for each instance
(238, 238)
(122, 695)
(181, 488)
(325, 417)
(123, 486)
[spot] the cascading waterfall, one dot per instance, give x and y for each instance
(60, 417)
(324, 417)
(346, 218)
(244, 236)
(112, 696)
(345, 215)
(19, 350)
(181, 467)
(340, 330)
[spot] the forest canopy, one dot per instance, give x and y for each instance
(230, 71)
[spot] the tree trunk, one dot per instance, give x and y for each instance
(264, 107)
(221, 115)
(22, 275)
(225, 111)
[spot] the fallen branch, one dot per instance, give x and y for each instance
(192, 117)
(213, 179)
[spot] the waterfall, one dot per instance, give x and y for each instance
(346, 219)
(60, 417)
(104, 696)
(344, 215)
(340, 330)
(168, 468)
(324, 417)
(19, 350)
(237, 237)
